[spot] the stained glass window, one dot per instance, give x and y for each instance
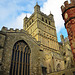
(20, 62)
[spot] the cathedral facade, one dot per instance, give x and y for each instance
(35, 50)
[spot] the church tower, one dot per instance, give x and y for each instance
(68, 13)
(42, 28)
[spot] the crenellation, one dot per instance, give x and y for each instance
(4, 29)
(17, 30)
(46, 16)
(11, 30)
(67, 5)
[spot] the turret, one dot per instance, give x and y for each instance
(36, 8)
(24, 22)
(68, 14)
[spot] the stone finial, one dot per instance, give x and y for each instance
(36, 3)
(37, 8)
(51, 15)
(4, 29)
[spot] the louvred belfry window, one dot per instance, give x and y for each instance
(20, 62)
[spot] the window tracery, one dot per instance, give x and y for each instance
(20, 62)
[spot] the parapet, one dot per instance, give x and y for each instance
(67, 5)
(5, 29)
(11, 30)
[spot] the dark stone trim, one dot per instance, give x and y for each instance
(68, 21)
(67, 9)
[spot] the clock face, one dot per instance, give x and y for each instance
(66, 15)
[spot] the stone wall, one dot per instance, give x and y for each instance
(12, 36)
(64, 72)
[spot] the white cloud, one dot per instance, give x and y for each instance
(18, 23)
(54, 7)
(13, 12)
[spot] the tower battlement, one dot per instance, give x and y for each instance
(67, 5)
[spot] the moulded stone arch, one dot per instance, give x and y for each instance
(20, 59)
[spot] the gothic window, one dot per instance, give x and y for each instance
(46, 21)
(42, 19)
(20, 62)
(65, 61)
(49, 22)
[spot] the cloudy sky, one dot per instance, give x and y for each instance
(12, 13)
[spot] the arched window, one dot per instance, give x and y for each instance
(46, 21)
(49, 22)
(42, 19)
(20, 62)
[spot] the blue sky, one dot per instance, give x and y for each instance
(12, 13)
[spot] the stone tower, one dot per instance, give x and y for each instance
(68, 13)
(42, 28)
